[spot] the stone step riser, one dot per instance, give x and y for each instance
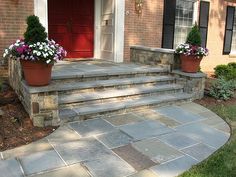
(121, 86)
(106, 77)
(120, 98)
(121, 111)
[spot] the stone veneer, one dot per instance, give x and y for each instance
(193, 83)
(153, 56)
(41, 107)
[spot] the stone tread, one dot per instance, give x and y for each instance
(116, 106)
(114, 93)
(109, 72)
(76, 85)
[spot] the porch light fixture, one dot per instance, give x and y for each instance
(139, 6)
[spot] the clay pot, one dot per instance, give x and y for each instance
(36, 73)
(190, 64)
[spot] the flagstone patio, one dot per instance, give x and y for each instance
(154, 142)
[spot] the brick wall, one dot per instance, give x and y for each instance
(145, 29)
(12, 20)
(216, 32)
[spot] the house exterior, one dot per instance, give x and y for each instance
(106, 29)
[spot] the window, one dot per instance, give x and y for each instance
(233, 46)
(177, 23)
(184, 20)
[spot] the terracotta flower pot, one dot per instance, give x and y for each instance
(190, 64)
(36, 73)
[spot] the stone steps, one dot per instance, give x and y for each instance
(112, 73)
(86, 98)
(78, 86)
(89, 111)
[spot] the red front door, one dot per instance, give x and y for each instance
(71, 24)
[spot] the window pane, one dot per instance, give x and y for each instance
(233, 46)
(183, 20)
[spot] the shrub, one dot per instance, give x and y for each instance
(35, 31)
(194, 36)
(222, 89)
(226, 71)
(232, 64)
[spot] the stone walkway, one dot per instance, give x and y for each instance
(157, 142)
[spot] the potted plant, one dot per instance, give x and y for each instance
(36, 53)
(191, 52)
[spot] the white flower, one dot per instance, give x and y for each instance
(38, 53)
(18, 41)
(48, 61)
(22, 56)
(38, 43)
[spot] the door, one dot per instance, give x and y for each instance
(107, 29)
(71, 24)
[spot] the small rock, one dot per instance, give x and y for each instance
(1, 113)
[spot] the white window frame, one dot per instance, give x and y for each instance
(195, 13)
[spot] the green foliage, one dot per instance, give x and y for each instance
(222, 89)
(226, 71)
(35, 31)
(232, 64)
(194, 36)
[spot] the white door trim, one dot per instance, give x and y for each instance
(119, 30)
(41, 10)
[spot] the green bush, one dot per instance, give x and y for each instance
(194, 36)
(226, 71)
(222, 89)
(232, 64)
(35, 31)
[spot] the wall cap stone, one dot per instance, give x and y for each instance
(162, 50)
(192, 75)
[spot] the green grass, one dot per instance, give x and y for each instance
(223, 162)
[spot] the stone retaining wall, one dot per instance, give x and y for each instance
(41, 107)
(153, 56)
(194, 83)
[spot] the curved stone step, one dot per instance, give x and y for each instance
(76, 85)
(119, 93)
(83, 112)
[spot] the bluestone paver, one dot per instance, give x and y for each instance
(157, 150)
(123, 119)
(41, 161)
(199, 151)
(92, 127)
(179, 114)
(150, 129)
(135, 158)
(152, 115)
(204, 133)
(175, 167)
(109, 166)
(115, 139)
(152, 142)
(82, 150)
(144, 173)
(62, 135)
(178, 141)
(10, 168)
(72, 171)
(38, 146)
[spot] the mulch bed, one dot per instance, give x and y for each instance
(16, 128)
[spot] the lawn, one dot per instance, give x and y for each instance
(223, 162)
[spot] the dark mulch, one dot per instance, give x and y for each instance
(16, 128)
